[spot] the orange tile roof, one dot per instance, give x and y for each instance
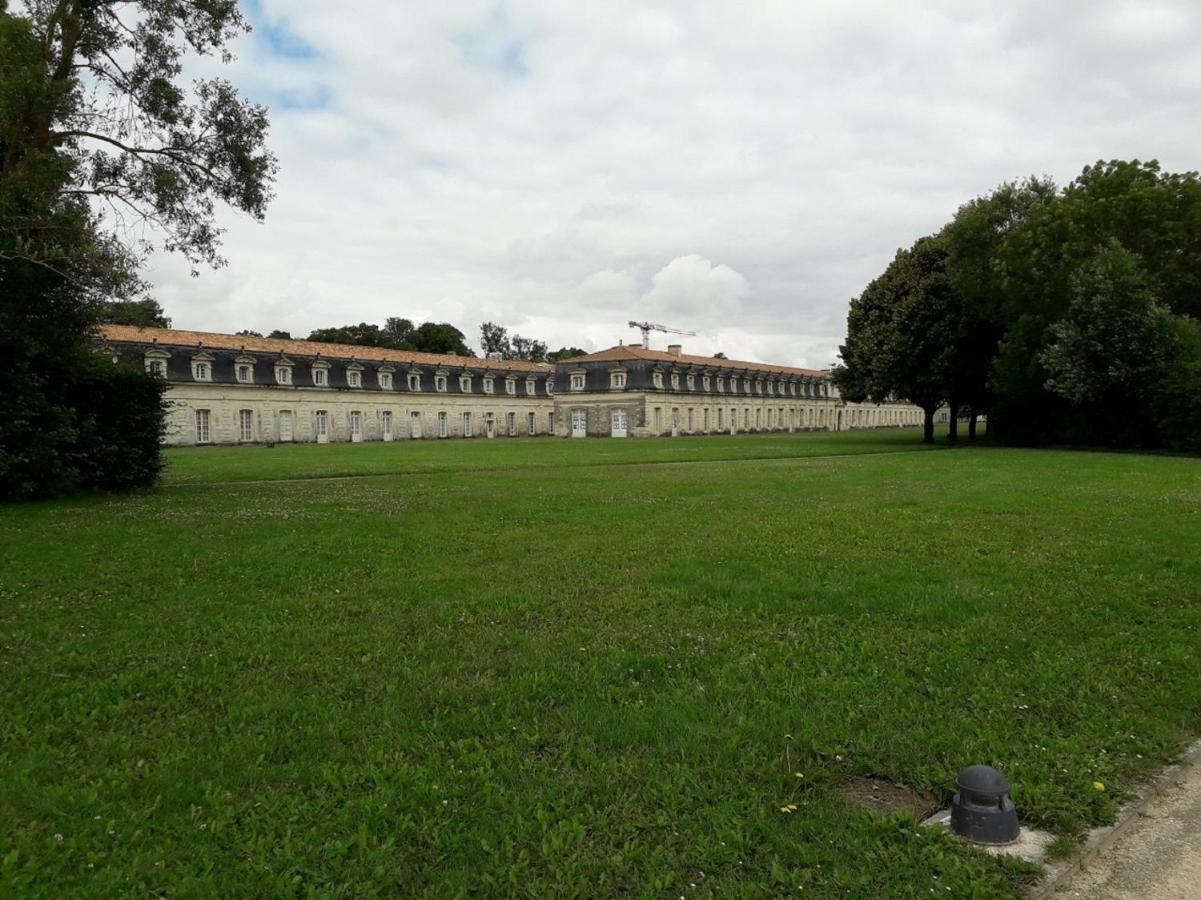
(173, 337)
(624, 351)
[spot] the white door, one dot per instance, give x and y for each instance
(414, 424)
(386, 424)
(579, 423)
(619, 423)
(285, 425)
(489, 426)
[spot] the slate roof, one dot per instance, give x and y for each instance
(627, 352)
(173, 337)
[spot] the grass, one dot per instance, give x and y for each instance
(516, 668)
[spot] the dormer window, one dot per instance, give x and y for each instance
(283, 374)
(721, 384)
(531, 387)
(488, 384)
(354, 378)
(550, 389)
(692, 382)
(733, 384)
(414, 381)
(706, 383)
(675, 381)
(320, 377)
(577, 381)
(385, 380)
(465, 384)
(658, 380)
(439, 383)
(244, 373)
(201, 371)
(617, 380)
(156, 363)
(511, 386)
(770, 388)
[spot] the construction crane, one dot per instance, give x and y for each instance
(648, 327)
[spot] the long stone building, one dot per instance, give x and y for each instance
(226, 389)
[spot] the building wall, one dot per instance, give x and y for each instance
(650, 413)
(225, 402)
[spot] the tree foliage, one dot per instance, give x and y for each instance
(396, 334)
(107, 151)
(145, 313)
(496, 339)
(1061, 313)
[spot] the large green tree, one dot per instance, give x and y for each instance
(901, 333)
(107, 152)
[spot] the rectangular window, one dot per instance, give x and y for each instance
(733, 384)
(385, 380)
(321, 424)
(721, 384)
(487, 385)
(658, 378)
(319, 376)
(692, 382)
(577, 382)
(354, 379)
(466, 424)
(283, 375)
(157, 368)
(385, 419)
(440, 383)
(200, 371)
(512, 423)
(706, 419)
(705, 381)
(356, 424)
(550, 423)
(202, 426)
(533, 426)
(675, 382)
(658, 419)
(619, 379)
(510, 386)
(531, 386)
(720, 418)
(244, 374)
(441, 424)
(690, 420)
(465, 384)
(245, 425)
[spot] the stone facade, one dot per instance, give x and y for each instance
(634, 392)
(227, 389)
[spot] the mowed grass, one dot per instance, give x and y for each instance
(540, 679)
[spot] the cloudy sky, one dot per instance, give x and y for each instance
(737, 169)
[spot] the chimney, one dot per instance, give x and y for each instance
(675, 349)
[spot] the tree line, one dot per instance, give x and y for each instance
(395, 334)
(1061, 315)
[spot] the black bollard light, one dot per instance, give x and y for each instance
(981, 810)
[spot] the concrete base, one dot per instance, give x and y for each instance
(1031, 845)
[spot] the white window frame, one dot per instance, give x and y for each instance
(443, 430)
(204, 431)
(721, 384)
(532, 423)
(706, 383)
(550, 386)
(320, 376)
(657, 379)
(467, 432)
(157, 367)
(385, 380)
(320, 424)
(385, 422)
(202, 370)
(578, 381)
(244, 373)
(511, 423)
(489, 384)
(465, 384)
(354, 378)
(691, 385)
(531, 387)
(355, 423)
(511, 386)
(245, 425)
(440, 384)
(617, 380)
(733, 384)
(283, 374)
(675, 381)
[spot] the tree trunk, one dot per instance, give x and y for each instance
(953, 427)
(928, 425)
(971, 425)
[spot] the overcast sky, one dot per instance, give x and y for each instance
(737, 169)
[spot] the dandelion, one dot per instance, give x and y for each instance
(1098, 786)
(58, 838)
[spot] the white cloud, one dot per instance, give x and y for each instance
(740, 170)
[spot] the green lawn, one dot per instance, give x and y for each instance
(516, 668)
